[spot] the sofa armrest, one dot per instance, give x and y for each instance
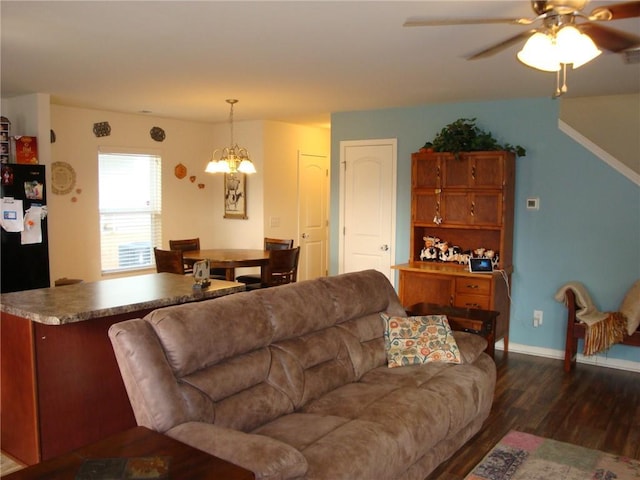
(266, 457)
(470, 345)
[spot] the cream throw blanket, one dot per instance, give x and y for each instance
(603, 328)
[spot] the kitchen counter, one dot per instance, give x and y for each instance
(84, 301)
(60, 385)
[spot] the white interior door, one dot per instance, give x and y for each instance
(368, 200)
(313, 180)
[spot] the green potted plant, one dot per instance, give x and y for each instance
(464, 136)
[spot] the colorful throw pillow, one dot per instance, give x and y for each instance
(418, 340)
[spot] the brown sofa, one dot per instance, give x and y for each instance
(292, 382)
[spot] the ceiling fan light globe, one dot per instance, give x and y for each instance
(587, 52)
(574, 47)
(540, 53)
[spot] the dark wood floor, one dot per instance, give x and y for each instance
(594, 407)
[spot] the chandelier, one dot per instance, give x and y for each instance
(233, 159)
(552, 51)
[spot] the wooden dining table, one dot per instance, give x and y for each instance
(231, 258)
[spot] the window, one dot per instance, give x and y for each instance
(130, 209)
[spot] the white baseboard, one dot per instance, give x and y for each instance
(597, 360)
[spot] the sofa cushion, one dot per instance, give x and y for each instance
(416, 340)
(196, 335)
(417, 406)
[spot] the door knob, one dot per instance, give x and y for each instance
(305, 235)
(384, 248)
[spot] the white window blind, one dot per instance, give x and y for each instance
(130, 203)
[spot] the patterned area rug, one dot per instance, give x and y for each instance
(521, 456)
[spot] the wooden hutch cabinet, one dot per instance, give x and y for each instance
(467, 201)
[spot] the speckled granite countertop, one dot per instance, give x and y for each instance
(84, 301)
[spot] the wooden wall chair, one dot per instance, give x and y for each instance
(170, 261)
(282, 268)
(269, 244)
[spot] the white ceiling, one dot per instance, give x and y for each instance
(295, 61)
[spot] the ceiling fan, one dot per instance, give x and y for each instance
(553, 15)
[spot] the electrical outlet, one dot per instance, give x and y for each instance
(537, 318)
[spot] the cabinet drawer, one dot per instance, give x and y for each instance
(472, 301)
(474, 286)
(466, 325)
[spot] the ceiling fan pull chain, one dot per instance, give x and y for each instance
(561, 89)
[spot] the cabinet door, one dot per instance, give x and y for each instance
(426, 172)
(426, 206)
(417, 287)
(487, 170)
(456, 208)
(486, 208)
(457, 172)
(474, 170)
(471, 208)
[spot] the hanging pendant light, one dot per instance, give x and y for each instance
(233, 159)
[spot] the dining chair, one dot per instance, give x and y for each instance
(184, 245)
(269, 244)
(170, 261)
(282, 268)
(194, 244)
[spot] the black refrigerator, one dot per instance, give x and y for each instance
(25, 249)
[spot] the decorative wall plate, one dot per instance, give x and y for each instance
(157, 134)
(180, 171)
(63, 178)
(102, 129)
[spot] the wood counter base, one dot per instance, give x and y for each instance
(61, 387)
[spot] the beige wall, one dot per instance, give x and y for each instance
(611, 122)
(283, 143)
(74, 233)
(74, 237)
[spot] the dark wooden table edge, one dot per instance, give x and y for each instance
(186, 462)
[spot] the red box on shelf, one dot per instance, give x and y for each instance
(26, 149)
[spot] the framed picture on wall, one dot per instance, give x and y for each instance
(235, 195)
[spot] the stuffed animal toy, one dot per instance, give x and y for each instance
(430, 251)
(456, 251)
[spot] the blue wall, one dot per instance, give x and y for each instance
(587, 228)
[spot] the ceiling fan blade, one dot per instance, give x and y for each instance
(609, 38)
(487, 52)
(429, 22)
(616, 12)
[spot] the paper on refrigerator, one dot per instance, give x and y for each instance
(32, 232)
(12, 217)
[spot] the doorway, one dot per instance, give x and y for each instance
(313, 188)
(368, 199)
